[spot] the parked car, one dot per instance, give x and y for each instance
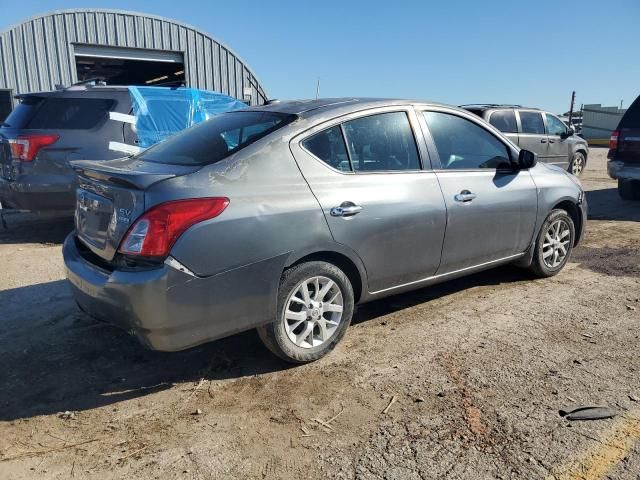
(538, 131)
(624, 153)
(284, 217)
(48, 130)
(45, 132)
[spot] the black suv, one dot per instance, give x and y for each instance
(539, 131)
(48, 130)
(624, 153)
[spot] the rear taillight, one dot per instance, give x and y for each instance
(155, 232)
(613, 141)
(26, 147)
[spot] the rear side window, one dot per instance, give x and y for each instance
(383, 142)
(464, 145)
(504, 120)
(532, 122)
(59, 113)
(211, 141)
(329, 147)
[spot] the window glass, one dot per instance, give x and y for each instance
(555, 126)
(504, 120)
(328, 146)
(217, 138)
(463, 144)
(63, 113)
(532, 122)
(382, 142)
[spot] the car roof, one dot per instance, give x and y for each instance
(495, 106)
(320, 106)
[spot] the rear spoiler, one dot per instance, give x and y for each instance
(121, 172)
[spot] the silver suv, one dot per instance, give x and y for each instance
(538, 131)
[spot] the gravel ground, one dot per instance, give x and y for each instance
(474, 371)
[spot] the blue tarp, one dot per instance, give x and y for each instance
(161, 112)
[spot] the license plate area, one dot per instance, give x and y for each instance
(93, 217)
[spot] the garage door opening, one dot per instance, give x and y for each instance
(123, 66)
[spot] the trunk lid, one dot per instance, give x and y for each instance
(629, 145)
(111, 196)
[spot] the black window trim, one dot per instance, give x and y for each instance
(472, 118)
(368, 112)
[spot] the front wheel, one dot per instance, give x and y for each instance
(554, 244)
(578, 162)
(315, 306)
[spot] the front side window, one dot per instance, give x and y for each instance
(504, 120)
(328, 146)
(555, 126)
(463, 144)
(532, 122)
(382, 142)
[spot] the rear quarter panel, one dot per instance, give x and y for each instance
(272, 211)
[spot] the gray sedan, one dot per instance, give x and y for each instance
(284, 217)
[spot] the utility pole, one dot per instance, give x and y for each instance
(318, 88)
(573, 99)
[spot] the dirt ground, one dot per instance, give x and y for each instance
(461, 380)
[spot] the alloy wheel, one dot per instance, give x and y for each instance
(556, 243)
(578, 164)
(313, 312)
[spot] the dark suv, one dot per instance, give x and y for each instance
(538, 131)
(624, 153)
(48, 130)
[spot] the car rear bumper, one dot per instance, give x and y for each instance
(169, 310)
(26, 194)
(618, 170)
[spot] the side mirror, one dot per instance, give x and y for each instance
(570, 132)
(527, 159)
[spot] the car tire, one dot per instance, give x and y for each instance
(551, 239)
(577, 164)
(298, 340)
(629, 189)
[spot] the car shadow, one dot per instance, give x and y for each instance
(606, 204)
(24, 227)
(55, 358)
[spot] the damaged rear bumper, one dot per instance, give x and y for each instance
(168, 309)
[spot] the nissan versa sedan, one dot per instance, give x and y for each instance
(284, 217)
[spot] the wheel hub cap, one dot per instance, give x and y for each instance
(556, 244)
(313, 312)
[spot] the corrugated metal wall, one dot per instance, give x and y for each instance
(598, 122)
(38, 54)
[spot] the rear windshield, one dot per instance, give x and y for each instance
(217, 138)
(631, 118)
(59, 113)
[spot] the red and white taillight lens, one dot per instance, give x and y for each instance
(155, 232)
(26, 147)
(613, 140)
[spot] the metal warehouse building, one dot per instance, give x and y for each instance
(124, 48)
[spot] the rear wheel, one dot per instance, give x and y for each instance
(554, 244)
(577, 164)
(629, 189)
(315, 306)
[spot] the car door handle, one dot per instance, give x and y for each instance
(346, 209)
(543, 140)
(464, 196)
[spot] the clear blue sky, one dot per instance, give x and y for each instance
(453, 51)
